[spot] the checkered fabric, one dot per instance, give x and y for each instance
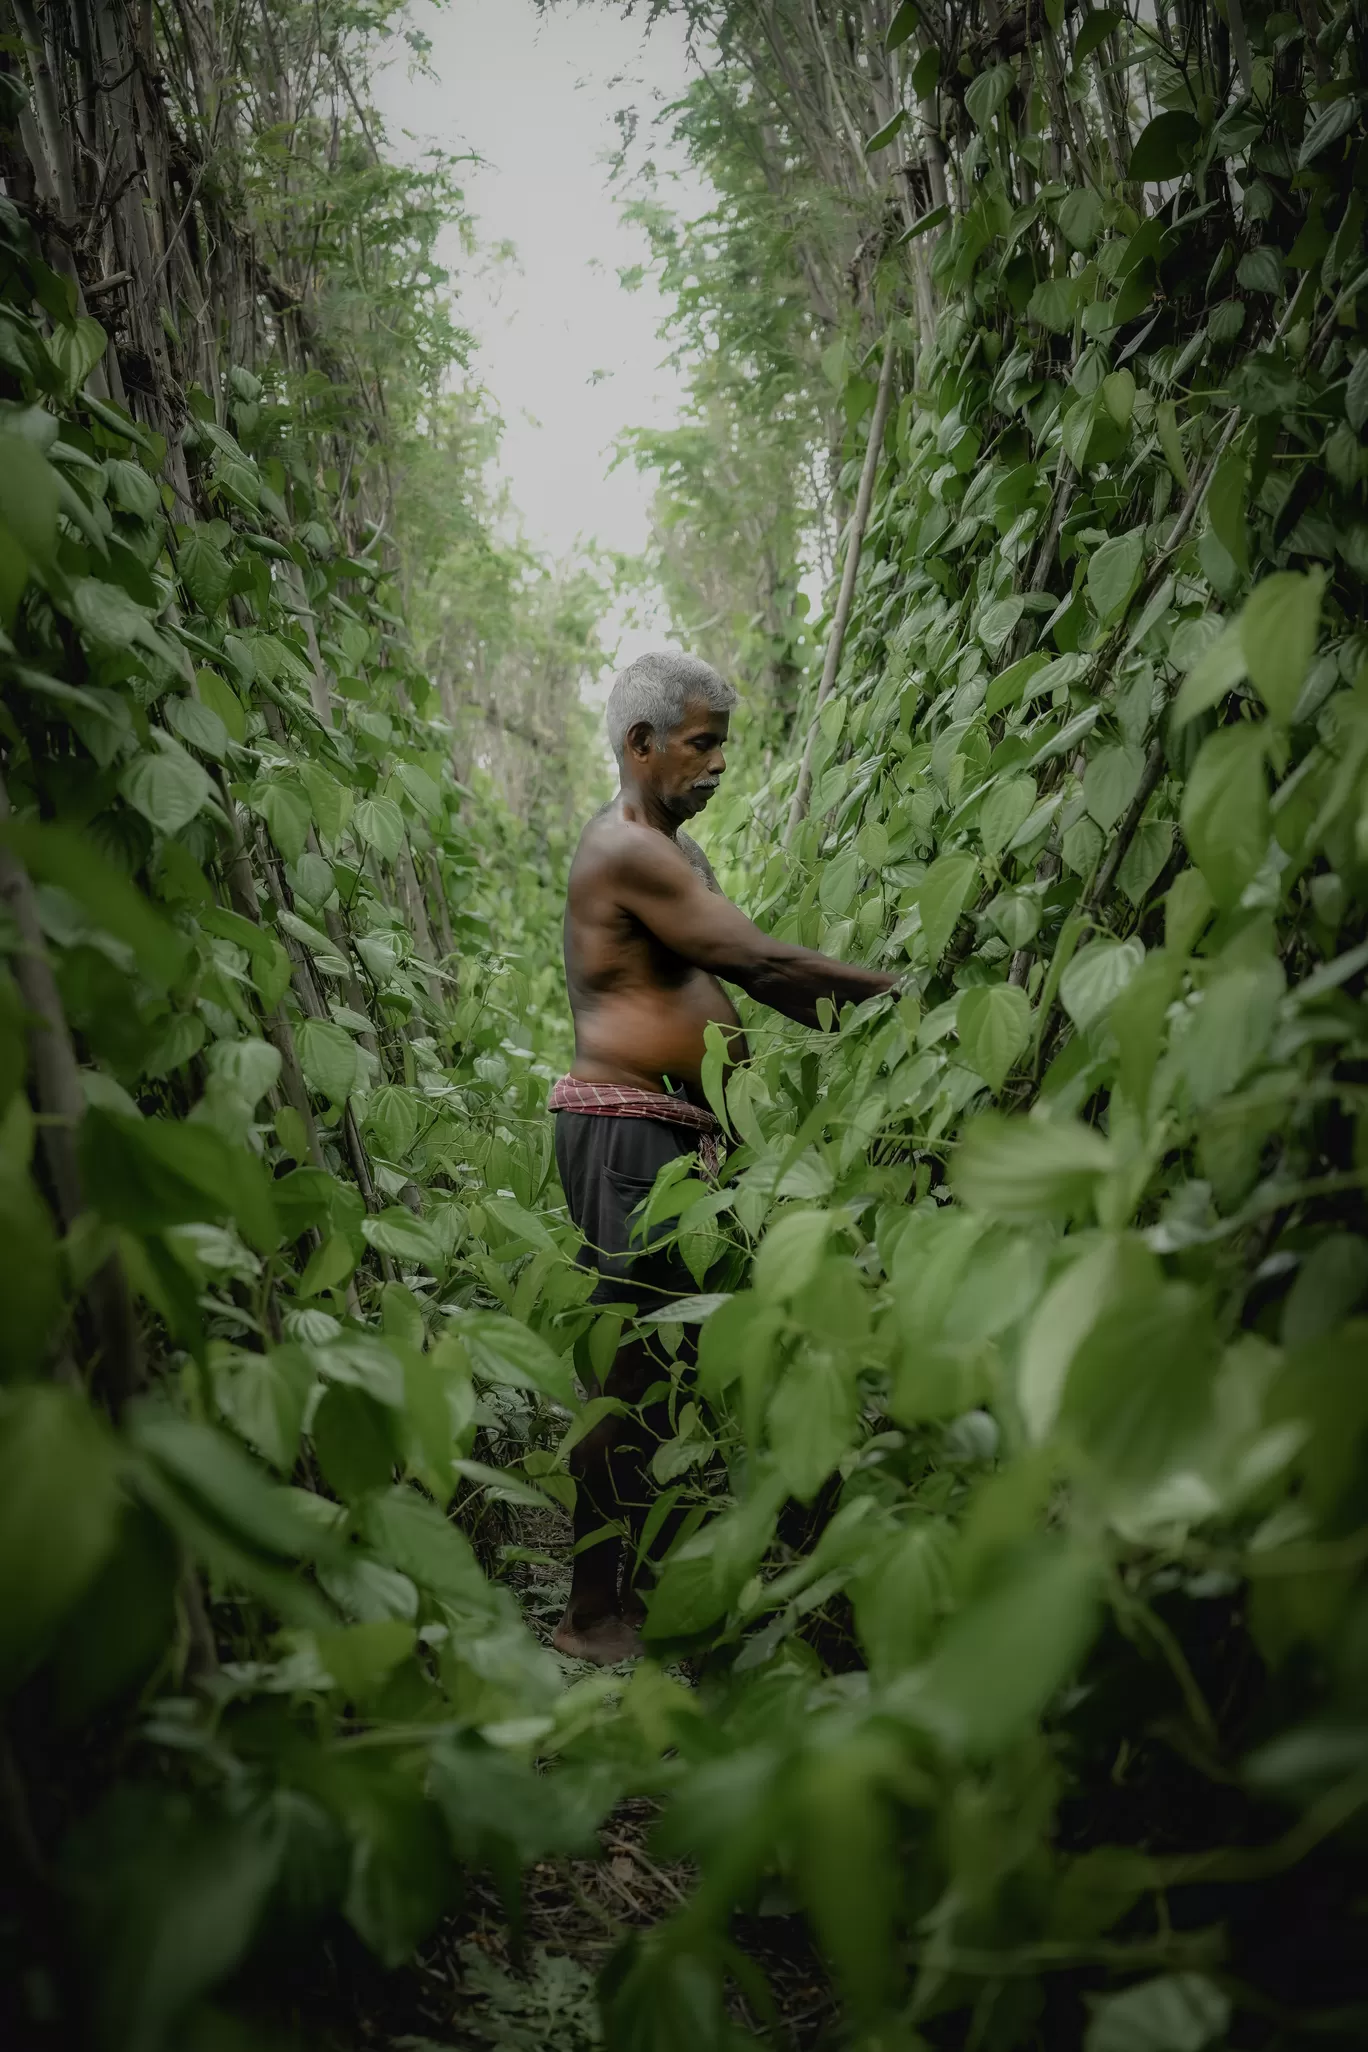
(621, 1101)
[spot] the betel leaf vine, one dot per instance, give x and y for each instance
(278, 1004)
(1015, 1505)
(1049, 1709)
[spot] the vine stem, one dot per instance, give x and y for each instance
(836, 641)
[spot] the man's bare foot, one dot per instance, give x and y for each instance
(606, 1641)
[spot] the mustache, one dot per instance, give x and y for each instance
(706, 784)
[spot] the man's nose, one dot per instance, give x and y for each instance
(717, 762)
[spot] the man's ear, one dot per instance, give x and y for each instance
(638, 739)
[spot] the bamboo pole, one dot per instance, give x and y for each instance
(836, 640)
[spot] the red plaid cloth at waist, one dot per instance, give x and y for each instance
(622, 1101)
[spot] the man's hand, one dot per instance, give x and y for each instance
(653, 880)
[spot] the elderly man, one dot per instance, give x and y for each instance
(647, 936)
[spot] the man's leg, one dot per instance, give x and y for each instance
(657, 1425)
(610, 1466)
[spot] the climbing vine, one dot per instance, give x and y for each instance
(1021, 1477)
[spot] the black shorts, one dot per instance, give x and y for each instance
(607, 1166)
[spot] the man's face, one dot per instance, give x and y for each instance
(683, 768)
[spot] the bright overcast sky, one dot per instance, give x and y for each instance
(570, 358)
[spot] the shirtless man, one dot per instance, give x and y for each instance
(648, 934)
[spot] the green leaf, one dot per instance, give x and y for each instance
(1278, 629)
(29, 497)
(1261, 269)
(1054, 304)
(249, 1068)
(502, 1350)
(167, 788)
(1171, 440)
(1174, 2013)
(392, 1121)
(148, 1174)
(76, 348)
(330, 1264)
(1225, 810)
(362, 1360)
(131, 489)
(926, 73)
(33, 1264)
(1356, 394)
(330, 801)
(1007, 687)
(1118, 396)
(1029, 1168)
(198, 725)
(789, 1253)
(1138, 1018)
(168, 1892)
(1081, 846)
(888, 133)
(1004, 1658)
(59, 1501)
(1225, 503)
(1097, 24)
(839, 880)
(221, 698)
(713, 1073)
(1188, 906)
(812, 1418)
(408, 1239)
(412, 1535)
(1016, 915)
(109, 618)
(1225, 1037)
(848, 1867)
(327, 1056)
(378, 823)
(1150, 848)
(1138, 1388)
(1110, 780)
(1216, 672)
(986, 94)
(518, 1223)
(263, 1398)
(1076, 430)
(1113, 573)
(997, 622)
(205, 573)
(1080, 217)
(354, 1442)
(361, 1657)
(1334, 121)
(1007, 806)
(994, 1025)
(285, 810)
(1164, 149)
(61, 855)
(900, 1596)
(942, 896)
(229, 1486)
(1096, 977)
(904, 21)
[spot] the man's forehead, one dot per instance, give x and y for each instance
(698, 716)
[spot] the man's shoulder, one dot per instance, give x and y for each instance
(696, 859)
(613, 846)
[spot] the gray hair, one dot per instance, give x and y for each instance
(659, 689)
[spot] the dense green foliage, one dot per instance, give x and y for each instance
(1024, 1468)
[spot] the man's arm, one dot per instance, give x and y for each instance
(657, 883)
